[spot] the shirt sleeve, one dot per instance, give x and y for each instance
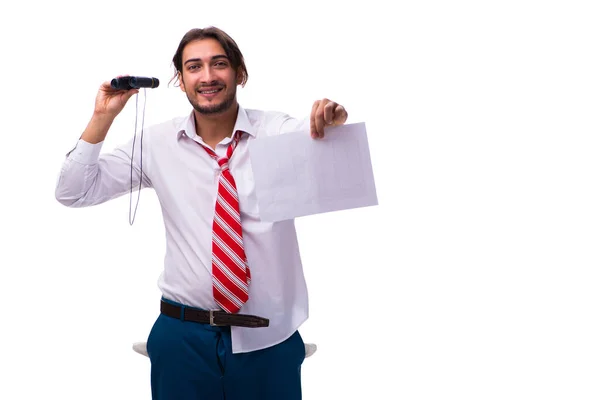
(88, 177)
(290, 124)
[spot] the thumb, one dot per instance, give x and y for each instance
(340, 115)
(131, 92)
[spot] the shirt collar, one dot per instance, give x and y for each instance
(242, 123)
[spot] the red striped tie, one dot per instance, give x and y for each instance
(231, 275)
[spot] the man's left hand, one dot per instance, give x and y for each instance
(326, 113)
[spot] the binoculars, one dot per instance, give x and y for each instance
(133, 82)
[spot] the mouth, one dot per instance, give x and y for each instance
(210, 92)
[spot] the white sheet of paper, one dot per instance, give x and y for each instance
(296, 175)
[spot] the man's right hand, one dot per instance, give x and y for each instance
(110, 102)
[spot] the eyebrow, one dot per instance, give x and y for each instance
(218, 56)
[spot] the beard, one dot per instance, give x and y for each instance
(213, 108)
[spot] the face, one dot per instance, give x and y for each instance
(207, 77)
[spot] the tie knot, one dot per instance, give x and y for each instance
(223, 163)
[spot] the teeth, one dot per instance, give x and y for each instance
(209, 91)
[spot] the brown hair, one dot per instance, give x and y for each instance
(229, 45)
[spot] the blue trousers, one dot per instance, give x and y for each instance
(192, 361)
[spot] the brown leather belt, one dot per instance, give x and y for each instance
(214, 318)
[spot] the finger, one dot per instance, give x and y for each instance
(313, 126)
(320, 118)
(131, 92)
(329, 112)
(341, 115)
(105, 85)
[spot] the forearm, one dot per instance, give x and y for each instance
(97, 128)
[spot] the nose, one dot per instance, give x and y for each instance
(207, 75)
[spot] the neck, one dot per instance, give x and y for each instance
(214, 128)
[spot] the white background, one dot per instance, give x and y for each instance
(476, 277)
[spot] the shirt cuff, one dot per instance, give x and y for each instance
(85, 153)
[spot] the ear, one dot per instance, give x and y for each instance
(239, 76)
(180, 79)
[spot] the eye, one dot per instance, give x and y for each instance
(193, 67)
(221, 64)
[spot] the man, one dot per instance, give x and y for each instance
(233, 288)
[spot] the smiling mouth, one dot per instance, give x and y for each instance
(210, 91)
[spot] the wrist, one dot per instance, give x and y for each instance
(97, 128)
(102, 117)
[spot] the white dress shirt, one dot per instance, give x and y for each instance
(185, 179)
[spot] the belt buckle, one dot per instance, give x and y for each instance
(212, 318)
